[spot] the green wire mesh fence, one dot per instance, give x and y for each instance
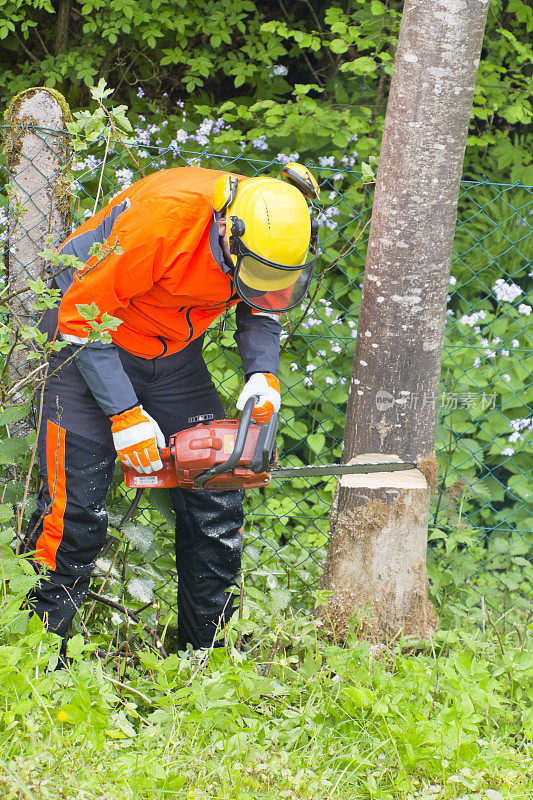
(481, 531)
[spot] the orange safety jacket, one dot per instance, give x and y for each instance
(162, 280)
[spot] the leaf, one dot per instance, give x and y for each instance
(87, 311)
(160, 499)
(12, 449)
(6, 512)
(338, 46)
(75, 646)
(14, 414)
(7, 534)
(360, 66)
(279, 599)
(316, 442)
(368, 175)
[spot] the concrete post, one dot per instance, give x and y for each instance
(38, 155)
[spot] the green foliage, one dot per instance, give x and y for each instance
(307, 76)
(291, 715)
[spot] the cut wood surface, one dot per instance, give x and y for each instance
(408, 479)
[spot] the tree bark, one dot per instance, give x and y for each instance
(376, 564)
(61, 27)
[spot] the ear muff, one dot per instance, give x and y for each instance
(236, 231)
(237, 226)
(224, 192)
(302, 178)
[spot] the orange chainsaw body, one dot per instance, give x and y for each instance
(195, 450)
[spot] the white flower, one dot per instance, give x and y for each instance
(504, 352)
(329, 380)
(506, 292)
(471, 320)
(335, 347)
(506, 377)
(349, 161)
(477, 362)
(181, 136)
(453, 280)
(321, 353)
(279, 70)
(310, 367)
(324, 218)
(524, 309)
(124, 176)
(326, 161)
(520, 425)
(140, 92)
(308, 381)
(507, 451)
(117, 619)
(515, 343)
(260, 143)
(283, 159)
(294, 366)
(450, 313)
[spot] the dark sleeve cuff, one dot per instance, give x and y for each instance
(257, 337)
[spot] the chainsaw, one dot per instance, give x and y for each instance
(233, 454)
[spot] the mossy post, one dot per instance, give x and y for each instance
(376, 564)
(38, 155)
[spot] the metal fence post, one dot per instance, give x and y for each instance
(37, 154)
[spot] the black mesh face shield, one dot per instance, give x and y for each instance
(268, 286)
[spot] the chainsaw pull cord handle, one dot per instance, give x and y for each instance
(240, 441)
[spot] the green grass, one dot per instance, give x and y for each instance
(293, 716)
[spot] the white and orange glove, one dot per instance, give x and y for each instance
(266, 387)
(136, 436)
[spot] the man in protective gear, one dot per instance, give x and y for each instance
(184, 246)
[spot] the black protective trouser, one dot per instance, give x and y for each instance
(76, 461)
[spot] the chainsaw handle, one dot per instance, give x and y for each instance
(240, 441)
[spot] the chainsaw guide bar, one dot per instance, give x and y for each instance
(321, 470)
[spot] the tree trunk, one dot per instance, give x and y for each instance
(61, 27)
(376, 565)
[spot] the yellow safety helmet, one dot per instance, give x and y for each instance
(270, 233)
